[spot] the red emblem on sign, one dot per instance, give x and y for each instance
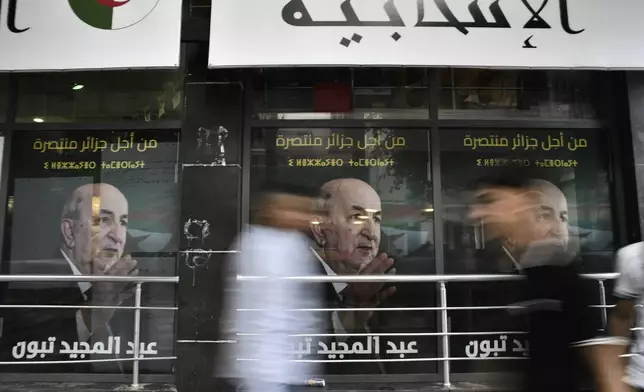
(113, 3)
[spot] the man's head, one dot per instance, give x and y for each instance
(551, 218)
(521, 212)
(286, 211)
(350, 235)
(93, 226)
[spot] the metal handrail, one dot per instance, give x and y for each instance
(87, 307)
(365, 334)
(89, 278)
(138, 280)
(407, 309)
(442, 280)
(413, 278)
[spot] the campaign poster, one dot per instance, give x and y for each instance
(90, 203)
(377, 186)
(570, 169)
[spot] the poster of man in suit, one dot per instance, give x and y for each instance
(99, 204)
(377, 222)
(377, 186)
(569, 174)
(347, 243)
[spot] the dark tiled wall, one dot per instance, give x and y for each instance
(211, 197)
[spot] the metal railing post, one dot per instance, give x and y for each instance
(137, 335)
(602, 301)
(445, 338)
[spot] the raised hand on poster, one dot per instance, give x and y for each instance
(369, 294)
(111, 293)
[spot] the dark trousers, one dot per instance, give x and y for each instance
(226, 385)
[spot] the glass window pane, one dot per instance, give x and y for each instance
(572, 169)
(200, 8)
(90, 203)
(386, 173)
(482, 93)
(336, 93)
(100, 96)
(4, 96)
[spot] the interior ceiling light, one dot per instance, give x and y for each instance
(78, 87)
(38, 120)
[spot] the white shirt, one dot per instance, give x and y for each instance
(630, 285)
(81, 328)
(263, 333)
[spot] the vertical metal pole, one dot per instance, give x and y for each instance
(452, 87)
(602, 300)
(445, 330)
(249, 95)
(434, 147)
(137, 335)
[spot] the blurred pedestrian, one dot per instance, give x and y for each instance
(628, 291)
(262, 309)
(522, 210)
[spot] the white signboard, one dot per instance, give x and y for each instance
(470, 33)
(39, 35)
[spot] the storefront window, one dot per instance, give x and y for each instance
(200, 8)
(342, 93)
(90, 203)
(484, 93)
(383, 176)
(100, 96)
(571, 167)
(4, 95)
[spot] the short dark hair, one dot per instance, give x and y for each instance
(516, 179)
(263, 197)
(287, 188)
(511, 178)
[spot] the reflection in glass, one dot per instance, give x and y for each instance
(480, 93)
(572, 163)
(342, 93)
(105, 96)
(571, 167)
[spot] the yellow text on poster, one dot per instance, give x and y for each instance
(521, 162)
(333, 162)
(91, 165)
(94, 144)
(340, 142)
(525, 142)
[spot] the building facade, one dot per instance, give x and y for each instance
(164, 164)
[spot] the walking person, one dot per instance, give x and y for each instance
(526, 212)
(262, 312)
(628, 375)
